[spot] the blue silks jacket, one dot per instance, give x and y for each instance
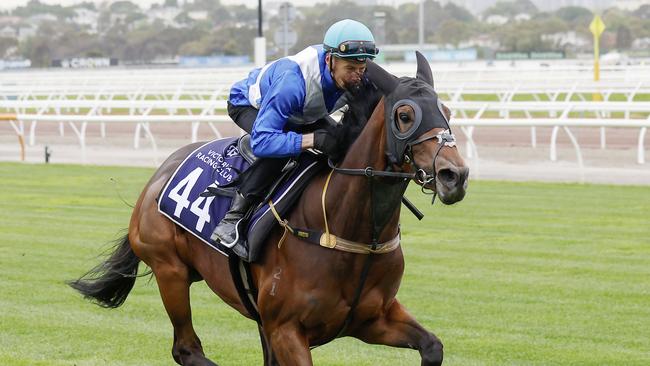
(290, 91)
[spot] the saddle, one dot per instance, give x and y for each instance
(199, 193)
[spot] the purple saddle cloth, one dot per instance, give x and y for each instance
(218, 163)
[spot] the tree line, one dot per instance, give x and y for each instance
(125, 32)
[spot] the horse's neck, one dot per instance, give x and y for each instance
(349, 197)
(368, 149)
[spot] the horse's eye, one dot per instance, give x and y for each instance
(404, 117)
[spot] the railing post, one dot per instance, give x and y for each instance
(640, 156)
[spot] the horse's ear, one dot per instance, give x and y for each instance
(385, 81)
(424, 70)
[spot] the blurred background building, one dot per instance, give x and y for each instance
(43, 33)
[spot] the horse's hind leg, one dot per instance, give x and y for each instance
(398, 328)
(174, 284)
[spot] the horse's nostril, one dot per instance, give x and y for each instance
(447, 176)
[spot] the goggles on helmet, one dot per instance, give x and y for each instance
(360, 50)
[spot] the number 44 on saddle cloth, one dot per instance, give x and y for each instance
(219, 163)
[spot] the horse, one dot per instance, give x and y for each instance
(308, 295)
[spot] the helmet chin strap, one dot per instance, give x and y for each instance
(330, 66)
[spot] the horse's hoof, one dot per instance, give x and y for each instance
(197, 361)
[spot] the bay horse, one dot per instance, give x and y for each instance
(307, 294)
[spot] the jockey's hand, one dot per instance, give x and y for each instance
(328, 140)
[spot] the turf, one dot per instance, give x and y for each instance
(516, 274)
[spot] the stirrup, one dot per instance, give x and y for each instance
(232, 232)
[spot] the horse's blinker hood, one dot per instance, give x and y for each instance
(416, 92)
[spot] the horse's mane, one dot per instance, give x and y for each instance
(361, 103)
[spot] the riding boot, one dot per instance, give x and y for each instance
(226, 231)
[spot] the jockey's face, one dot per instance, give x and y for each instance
(346, 73)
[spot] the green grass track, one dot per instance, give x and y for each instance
(516, 274)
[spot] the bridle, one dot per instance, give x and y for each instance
(444, 137)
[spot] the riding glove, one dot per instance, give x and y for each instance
(328, 140)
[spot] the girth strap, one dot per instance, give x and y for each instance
(243, 281)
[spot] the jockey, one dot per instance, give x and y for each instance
(282, 102)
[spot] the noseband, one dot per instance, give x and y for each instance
(445, 138)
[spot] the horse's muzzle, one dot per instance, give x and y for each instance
(451, 184)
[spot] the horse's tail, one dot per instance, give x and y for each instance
(109, 283)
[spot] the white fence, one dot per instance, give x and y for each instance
(197, 96)
(211, 112)
(560, 114)
(452, 79)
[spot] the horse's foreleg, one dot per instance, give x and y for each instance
(289, 345)
(269, 357)
(398, 328)
(174, 284)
